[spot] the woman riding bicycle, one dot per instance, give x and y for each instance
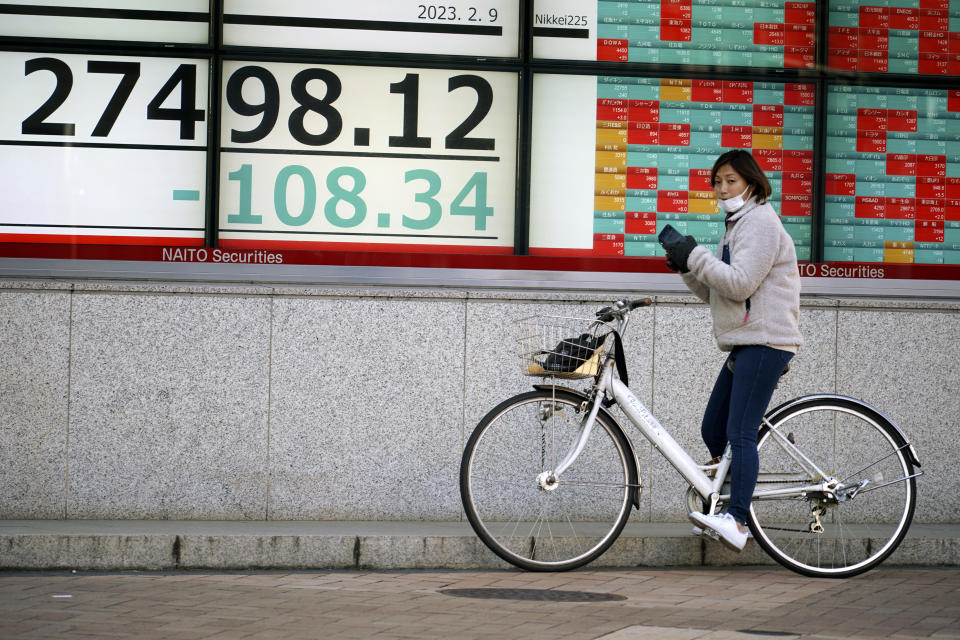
(753, 288)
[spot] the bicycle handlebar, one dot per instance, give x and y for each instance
(621, 308)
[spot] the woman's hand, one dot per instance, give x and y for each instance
(678, 253)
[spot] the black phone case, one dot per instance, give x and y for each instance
(669, 235)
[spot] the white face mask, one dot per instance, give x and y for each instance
(730, 205)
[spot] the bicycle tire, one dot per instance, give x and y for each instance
(531, 527)
(851, 442)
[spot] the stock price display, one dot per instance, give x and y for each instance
(367, 157)
(895, 36)
(758, 33)
(893, 175)
(657, 140)
(103, 149)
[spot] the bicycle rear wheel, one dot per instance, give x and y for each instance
(527, 521)
(838, 534)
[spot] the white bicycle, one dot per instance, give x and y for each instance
(548, 477)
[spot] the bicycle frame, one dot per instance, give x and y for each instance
(708, 488)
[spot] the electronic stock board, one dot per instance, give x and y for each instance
(301, 146)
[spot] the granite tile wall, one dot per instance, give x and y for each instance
(366, 408)
(168, 406)
(128, 401)
(34, 379)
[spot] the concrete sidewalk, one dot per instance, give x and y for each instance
(701, 603)
(165, 544)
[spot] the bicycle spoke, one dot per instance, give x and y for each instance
(835, 530)
(559, 526)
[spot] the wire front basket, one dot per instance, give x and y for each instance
(561, 347)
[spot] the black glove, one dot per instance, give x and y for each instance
(678, 253)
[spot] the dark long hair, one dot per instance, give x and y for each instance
(744, 164)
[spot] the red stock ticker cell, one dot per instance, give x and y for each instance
(901, 120)
(643, 133)
(841, 184)
(799, 13)
(798, 160)
(931, 165)
(799, 95)
(672, 201)
(675, 134)
(934, 42)
(676, 9)
(676, 30)
(931, 209)
(796, 204)
(953, 210)
(931, 187)
(641, 178)
(769, 159)
(798, 57)
(928, 231)
(644, 111)
(873, 40)
(874, 18)
(700, 180)
(706, 91)
(613, 50)
(736, 136)
(799, 35)
(845, 38)
(738, 92)
(953, 188)
(901, 208)
(608, 244)
(905, 18)
(796, 182)
(931, 63)
(934, 19)
(872, 61)
(612, 110)
(640, 225)
(901, 164)
(870, 207)
(769, 33)
(767, 115)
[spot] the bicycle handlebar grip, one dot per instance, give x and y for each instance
(646, 302)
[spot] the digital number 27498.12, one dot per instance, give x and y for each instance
(408, 87)
(353, 204)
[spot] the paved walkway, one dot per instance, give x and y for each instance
(612, 604)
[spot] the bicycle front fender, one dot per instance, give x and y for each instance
(633, 463)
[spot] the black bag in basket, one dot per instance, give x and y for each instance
(570, 353)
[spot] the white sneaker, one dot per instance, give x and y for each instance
(697, 531)
(725, 527)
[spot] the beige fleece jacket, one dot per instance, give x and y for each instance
(762, 278)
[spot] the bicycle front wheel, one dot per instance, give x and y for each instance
(842, 533)
(533, 523)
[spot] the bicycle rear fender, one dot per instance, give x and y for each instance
(854, 403)
(633, 464)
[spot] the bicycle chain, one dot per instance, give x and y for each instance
(783, 528)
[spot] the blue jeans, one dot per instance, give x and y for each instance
(734, 413)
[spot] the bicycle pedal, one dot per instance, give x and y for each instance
(709, 533)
